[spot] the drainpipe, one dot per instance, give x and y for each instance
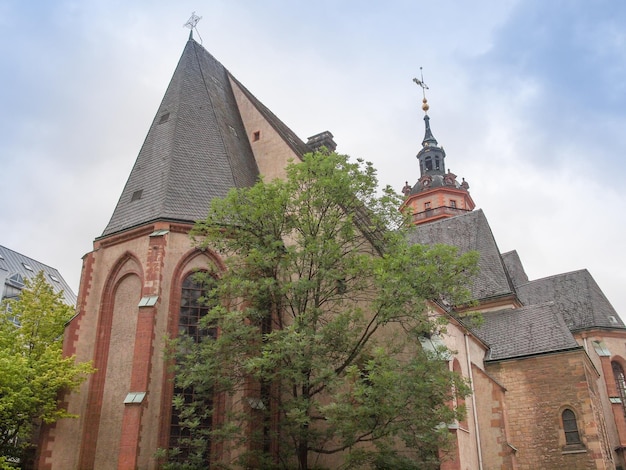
(474, 411)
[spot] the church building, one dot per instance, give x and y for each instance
(546, 366)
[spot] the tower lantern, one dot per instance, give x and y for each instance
(437, 193)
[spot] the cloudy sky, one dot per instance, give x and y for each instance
(527, 97)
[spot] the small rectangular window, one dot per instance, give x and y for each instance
(256, 136)
(427, 205)
(601, 349)
(453, 203)
(570, 428)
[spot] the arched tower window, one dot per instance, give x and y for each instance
(620, 382)
(570, 428)
(193, 306)
(429, 163)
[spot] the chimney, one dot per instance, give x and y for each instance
(323, 139)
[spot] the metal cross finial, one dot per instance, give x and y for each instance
(192, 21)
(421, 83)
(191, 24)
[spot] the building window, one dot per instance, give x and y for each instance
(256, 135)
(453, 203)
(427, 205)
(193, 307)
(570, 428)
(620, 382)
(429, 163)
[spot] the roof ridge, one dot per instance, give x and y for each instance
(582, 270)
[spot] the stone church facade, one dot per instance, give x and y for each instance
(546, 366)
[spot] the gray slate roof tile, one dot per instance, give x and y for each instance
(520, 332)
(577, 297)
(470, 232)
(514, 267)
(12, 262)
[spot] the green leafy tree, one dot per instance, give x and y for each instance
(319, 316)
(33, 370)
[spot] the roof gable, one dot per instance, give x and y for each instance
(295, 143)
(470, 232)
(576, 296)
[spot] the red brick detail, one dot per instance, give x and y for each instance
(154, 267)
(611, 387)
(123, 237)
(451, 460)
(129, 440)
(142, 354)
(96, 387)
(71, 333)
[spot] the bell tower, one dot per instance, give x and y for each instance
(437, 193)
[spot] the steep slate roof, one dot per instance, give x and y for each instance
(520, 332)
(469, 232)
(576, 296)
(13, 263)
(196, 148)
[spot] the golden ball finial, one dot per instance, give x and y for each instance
(425, 106)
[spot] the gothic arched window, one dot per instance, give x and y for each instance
(429, 163)
(570, 428)
(620, 382)
(193, 306)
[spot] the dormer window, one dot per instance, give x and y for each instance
(136, 195)
(164, 117)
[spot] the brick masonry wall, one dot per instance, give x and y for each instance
(538, 390)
